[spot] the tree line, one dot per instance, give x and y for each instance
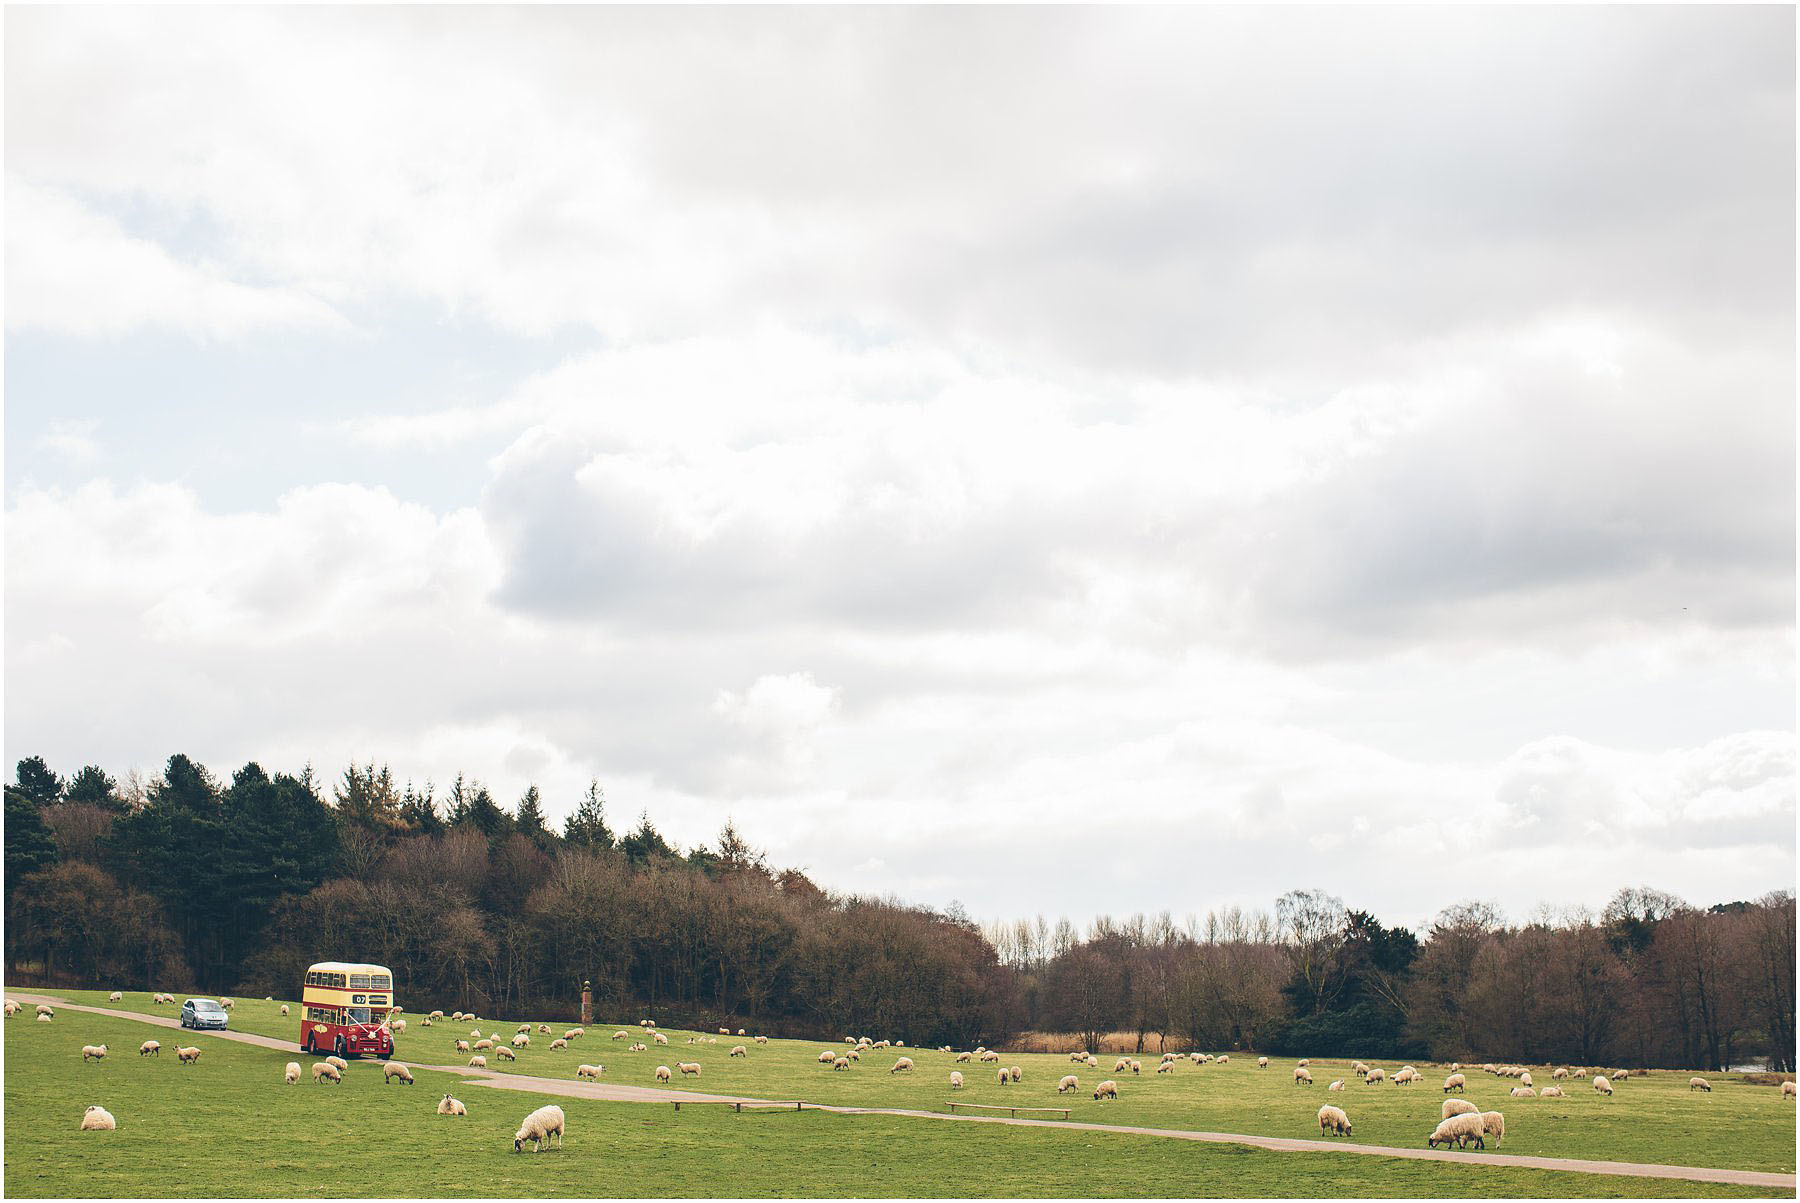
(185, 881)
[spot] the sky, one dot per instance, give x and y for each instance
(1063, 461)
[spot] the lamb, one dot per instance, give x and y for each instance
(1551, 1092)
(478, 1062)
(1458, 1107)
(450, 1106)
(1262, 1063)
(324, 1072)
(956, 1079)
(555, 1045)
(1333, 1121)
(1454, 1082)
(738, 1050)
(284, 1008)
(292, 1075)
(1493, 1124)
(1458, 1130)
(662, 1073)
(1068, 1083)
(1337, 1085)
(1602, 1086)
(1699, 1084)
(98, 1119)
(115, 996)
(150, 1048)
(688, 1067)
(93, 1052)
(1302, 1077)
(1016, 1075)
(1523, 1092)
(187, 1056)
(1108, 1089)
(1167, 1067)
(393, 1071)
(505, 1054)
(903, 1065)
(521, 1041)
(1375, 1075)
(342, 1065)
(591, 1072)
(538, 1127)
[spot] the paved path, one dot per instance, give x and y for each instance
(613, 1092)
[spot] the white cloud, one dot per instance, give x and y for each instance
(72, 440)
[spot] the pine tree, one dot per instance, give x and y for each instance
(91, 786)
(530, 819)
(587, 826)
(28, 843)
(40, 786)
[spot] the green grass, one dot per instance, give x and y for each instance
(183, 1128)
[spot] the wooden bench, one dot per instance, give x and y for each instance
(740, 1104)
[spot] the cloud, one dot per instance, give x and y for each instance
(73, 440)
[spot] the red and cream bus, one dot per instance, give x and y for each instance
(345, 1010)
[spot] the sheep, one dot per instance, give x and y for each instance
(1016, 1074)
(1093, 1062)
(615, 1035)
(1362, 1071)
(1458, 1129)
(399, 1025)
(1551, 1092)
(662, 1073)
(657, 1036)
(187, 1056)
(591, 1072)
(342, 1065)
(1171, 1056)
(292, 1075)
(827, 1057)
(1458, 1107)
(1003, 1078)
(482, 1046)
(543, 1029)
(45, 1009)
(965, 1056)
(1224, 1058)
(324, 1072)
(1068, 1083)
(150, 1048)
(557, 1045)
(1699, 1084)
(1602, 1086)
(1333, 1121)
(93, 1052)
(115, 996)
(1523, 1092)
(438, 1015)
(284, 1009)
(538, 1127)
(1787, 1088)
(505, 1054)
(521, 1041)
(688, 1067)
(879, 1044)
(903, 1065)
(1108, 1089)
(956, 1079)
(1302, 1077)
(1621, 1075)
(1525, 1078)
(738, 1050)
(1167, 1067)
(46, 1018)
(724, 1031)
(1406, 1075)
(98, 1119)
(475, 1035)
(574, 1033)
(425, 1022)
(1121, 1065)
(1198, 1058)
(1560, 1073)
(1079, 1057)
(765, 1040)
(462, 1046)
(478, 1062)
(1375, 1075)
(13, 1008)
(1136, 1067)
(1493, 1124)
(227, 1003)
(1337, 1085)
(1455, 1082)
(840, 1063)
(1304, 1062)
(1262, 1063)
(450, 1106)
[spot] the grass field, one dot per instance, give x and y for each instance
(228, 1127)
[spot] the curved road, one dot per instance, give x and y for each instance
(613, 1092)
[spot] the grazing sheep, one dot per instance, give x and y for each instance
(879, 1044)
(45, 1009)
(1068, 1083)
(462, 1046)
(399, 1025)
(284, 1008)
(425, 1022)
(1108, 1089)
(450, 1106)
(1136, 1067)
(840, 1063)
(903, 1065)
(524, 1027)
(1458, 1107)
(227, 1003)
(98, 1119)
(1171, 1056)
(1302, 1077)
(324, 1072)
(1493, 1124)
(1333, 1121)
(1699, 1084)
(639, 1047)
(1167, 1067)
(538, 1127)
(1003, 1078)
(1075, 1057)
(987, 1054)
(1523, 1092)
(150, 1048)
(574, 1033)
(292, 1074)
(478, 1062)
(591, 1072)
(482, 1046)
(438, 1015)
(1601, 1085)
(1362, 1071)
(1016, 1075)
(1454, 1082)
(115, 996)
(656, 1036)
(505, 1054)
(1458, 1130)
(1304, 1062)
(688, 1067)
(965, 1056)
(615, 1035)
(1337, 1085)
(556, 1045)
(1560, 1073)
(393, 1071)
(187, 1056)
(1121, 1065)
(521, 1041)
(1406, 1076)
(1525, 1077)
(1787, 1088)
(93, 1052)
(1375, 1075)
(662, 1073)
(1551, 1092)
(1199, 1058)
(956, 1079)
(738, 1050)
(13, 1008)
(1262, 1063)
(1093, 1062)
(1224, 1058)
(1621, 1075)
(343, 1066)
(765, 1040)
(827, 1057)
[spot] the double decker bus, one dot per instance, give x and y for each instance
(344, 1009)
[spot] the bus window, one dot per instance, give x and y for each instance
(359, 1015)
(381, 981)
(359, 981)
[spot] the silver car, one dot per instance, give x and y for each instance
(203, 1014)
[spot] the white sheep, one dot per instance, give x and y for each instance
(438, 1015)
(956, 1079)
(12, 1007)
(343, 1066)
(1070, 1082)
(450, 1106)
(1167, 1067)
(765, 1040)
(1093, 1062)
(1458, 1130)
(724, 1031)
(840, 1063)
(1551, 1092)
(1003, 1078)
(478, 1062)
(688, 1067)
(827, 1056)
(1016, 1074)
(1302, 1077)
(462, 1046)
(574, 1033)
(538, 1127)
(292, 1075)
(1304, 1062)
(1560, 1073)
(1621, 1075)
(187, 1056)
(1699, 1084)
(1458, 1107)
(505, 1054)
(1337, 1085)
(1075, 1057)
(1362, 1071)
(1121, 1065)
(1333, 1121)
(521, 1041)
(1787, 1089)
(115, 996)
(639, 1047)
(543, 1029)
(1493, 1124)
(1525, 1078)
(988, 1054)
(1137, 1067)
(1262, 1063)
(150, 1048)
(738, 1050)
(659, 1037)
(965, 1056)
(46, 1018)
(903, 1065)
(284, 1008)
(1523, 1092)
(397, 1026)
(425, 1022)
(1108, 1089)
(591, 1072)
(227, 1003)
(1601, 1085)
(615, 1035)
(98, 1119)
(45, 1009)
(393, 1071)
(325, 1072)
(1375, 1075)
(484, 1045)
(1224, 1058)
(662, 1073)
(93, 1052)
(1455, 1082)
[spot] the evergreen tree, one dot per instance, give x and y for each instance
(170, 848)
(28, 843)
(587, 826)
(419, 812)
(645, 843)
(530, 820)
(40, 786)
(91, 786)
(480, 811)
(278, 838)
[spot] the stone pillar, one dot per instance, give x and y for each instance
(587, 1003)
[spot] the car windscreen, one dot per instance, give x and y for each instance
(208, 1008)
